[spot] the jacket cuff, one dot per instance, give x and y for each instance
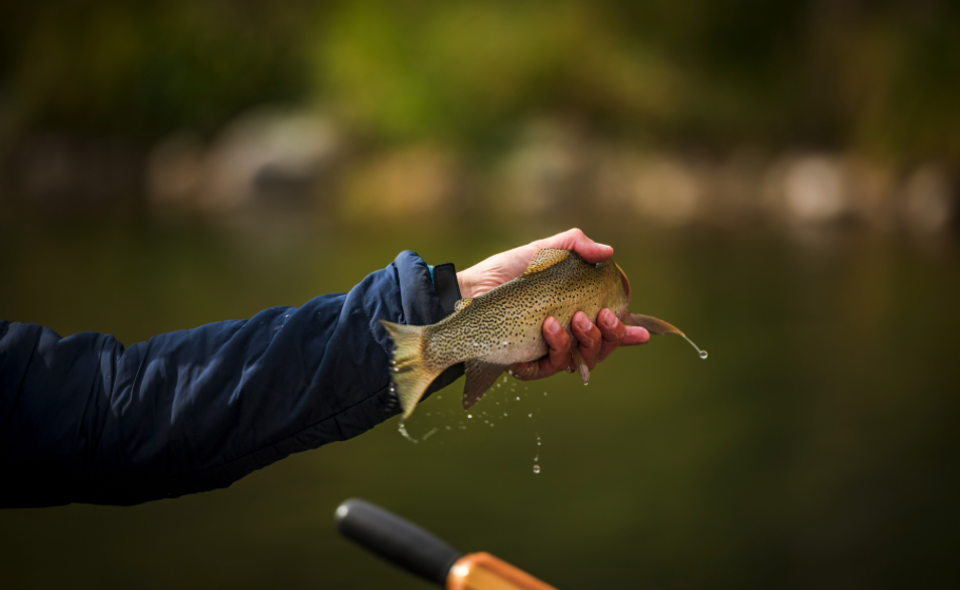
(427, 302)
(448, 288)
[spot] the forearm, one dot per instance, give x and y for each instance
(198, 409)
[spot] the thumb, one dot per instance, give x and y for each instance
(574, 239)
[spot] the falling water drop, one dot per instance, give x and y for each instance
(403, 430)
(703, 353)
(536, 469)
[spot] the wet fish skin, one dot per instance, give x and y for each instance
(505, 325)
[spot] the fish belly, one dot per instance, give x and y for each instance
(517, 353)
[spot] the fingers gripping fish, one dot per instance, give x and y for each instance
(505, 325)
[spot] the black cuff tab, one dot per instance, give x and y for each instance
(448, 289)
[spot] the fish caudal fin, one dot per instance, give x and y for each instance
(409, 374)
(658, 328)
(652, 324)
(480, 377)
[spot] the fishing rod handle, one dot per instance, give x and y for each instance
(482, 571)
(396, 540)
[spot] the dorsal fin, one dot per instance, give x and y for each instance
(546, 258)
(461, 305)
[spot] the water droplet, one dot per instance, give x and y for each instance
(536, 469)
(544, 393)
(529, 415)
(403, 430)
(703, 354)
(504, 379)
(518, 398)
(469, 415)
(396, 369)
(504, 414)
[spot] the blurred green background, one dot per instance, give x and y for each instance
(778, 179)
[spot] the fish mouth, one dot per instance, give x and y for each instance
(624, 281)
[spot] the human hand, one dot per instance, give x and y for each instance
(595, 341)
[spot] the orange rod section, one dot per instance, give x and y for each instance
(482, 571)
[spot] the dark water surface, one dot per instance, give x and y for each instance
(816, 448)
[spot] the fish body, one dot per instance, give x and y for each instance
(505, 325)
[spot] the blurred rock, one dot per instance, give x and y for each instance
(928, 199)
(666, 190)
(268, 158)
(416, 182)
(549, 169)
(872, 189)
(174, 170)
(814, 189)
(733, 189)
(65, 173)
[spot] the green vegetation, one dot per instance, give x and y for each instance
(878, 77)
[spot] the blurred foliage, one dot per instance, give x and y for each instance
(142, 69)
(880, 77)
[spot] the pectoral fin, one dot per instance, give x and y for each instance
(659, 327)
(480, 377)
(580, 362)
(652, 324)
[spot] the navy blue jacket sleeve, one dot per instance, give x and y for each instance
(84, 420)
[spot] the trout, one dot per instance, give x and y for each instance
(505, 325)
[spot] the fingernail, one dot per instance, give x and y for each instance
(552, 326)
(584, 323)
(609, 320)
(603, 245)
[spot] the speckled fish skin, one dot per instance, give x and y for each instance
(505, 325)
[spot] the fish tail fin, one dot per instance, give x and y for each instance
(652, 324)
(659, 327)
(409, 373)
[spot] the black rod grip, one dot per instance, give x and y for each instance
(396, 540)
